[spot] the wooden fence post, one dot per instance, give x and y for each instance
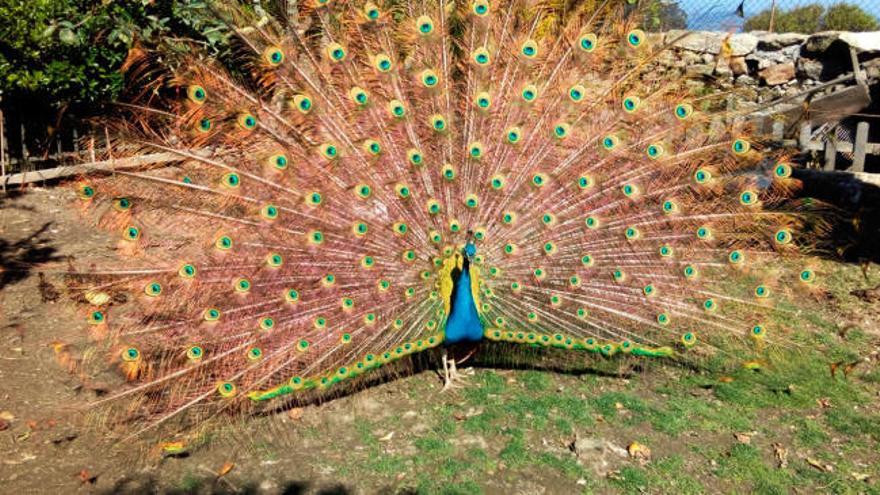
(860, 147)
(830, 153)
(2, 144)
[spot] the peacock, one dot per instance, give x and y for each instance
(370, 182)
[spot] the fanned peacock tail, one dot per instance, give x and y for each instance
(330, 193)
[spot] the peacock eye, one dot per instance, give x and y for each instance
(383, 63)
(587, 42)
(195, 353)
(196, 94)
(122, 204)
(231, 180)
(684, 110)
(481, 56)
(131, 233)
(247, 121)
(635, 38)
(371, 11)
(205, 125)
(529, 49)
(211, 314)
(223, 243)
(631, 103)
(187, 271)
(429, 78)
(425, 25)
(273, 56)
(740, 146)
(336, 52)
(130, 354)
(302, 103)
(153, 289)
(480, 8)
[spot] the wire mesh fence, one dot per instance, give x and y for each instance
(800, 16)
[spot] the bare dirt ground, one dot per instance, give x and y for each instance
(660, 430)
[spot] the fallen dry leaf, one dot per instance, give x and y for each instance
(7, 416)
(781, 454)
(227, 467)
(726, 379)
(4, 425)
(638, 451)
(742, 438)
(824, 402)
(86, 477)
(295, 413)
(818, 465)
(860, 476)
(387, 438)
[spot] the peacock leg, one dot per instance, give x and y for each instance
(451, 377)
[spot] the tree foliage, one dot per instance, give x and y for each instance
(813, 18)
(68, 52)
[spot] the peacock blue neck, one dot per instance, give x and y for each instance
(463, 324)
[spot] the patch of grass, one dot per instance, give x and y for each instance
(744, 466)
(855, 423)
(669, 475)
(808, 433)
(433, 446)
(514, 452)
(535, 381)
(631, 480)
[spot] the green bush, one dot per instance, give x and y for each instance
(65, 53)
(813, 18)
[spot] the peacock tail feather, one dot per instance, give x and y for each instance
(324, 195)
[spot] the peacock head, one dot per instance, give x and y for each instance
(469, 250)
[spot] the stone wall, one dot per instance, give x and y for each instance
(766, 66)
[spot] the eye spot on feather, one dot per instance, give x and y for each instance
(635, 38)
(359, 96)
(683, 110)
(539, 179)
(481, 57)
(415, 157)
(302, 103)
(587, 260)
(670, 207)
(592, 222)
(514, 135)
(475, 150)
(131, 233)
(709, 305)
(187, 271)
(480, 8)
(383, 63)
(782, 236)
(396, 109)
(587, 42)
(740, 146)
(254, 354)
(205, 125)
(807, 276)
(371, 11)
(584, 182)
(529, 93)
(610, 142)
(437, 122)
(690, 272)
(316, 237)
(425, 25)
(153, 289)
(246, 121)
(279, 161)
(242, 285)
(196, 94)
(655, 151)
(223, 243)
(631, 104)
(130, 354)
(561, 130)
(274, 260)
(336, 52)
(782, 171)
(429, 78)
(704, 233)
(576, 93)
(273, 56)
(195, 353)
(632, 233)
(483, 100)
(97, 318)
(663, 318)
(666, 251)
(211, 314)
(529, 49)
(748, 198)
(433, 206)
(291, 296)
(85, 191)
(454, 226)
(702, 176)
(758, 332)
(226, 390)
(688, 339)
(736, 257)
(471, 201)
(329, 151)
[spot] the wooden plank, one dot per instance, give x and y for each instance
(72, 170)
(778, 131)
(830, 154)
(805, 134)
(860, 147)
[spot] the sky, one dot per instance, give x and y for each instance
(719, 14)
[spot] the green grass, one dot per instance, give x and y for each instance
(507, 427)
